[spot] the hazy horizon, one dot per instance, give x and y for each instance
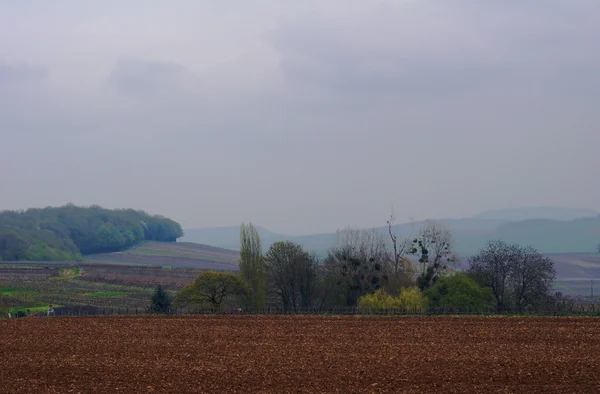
(302, 117)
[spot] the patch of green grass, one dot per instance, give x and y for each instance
(11, 291)
(106, 294)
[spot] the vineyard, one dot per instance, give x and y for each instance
(34, 286)
(301, 354)
(174, 254)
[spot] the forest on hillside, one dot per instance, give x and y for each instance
(68, 232)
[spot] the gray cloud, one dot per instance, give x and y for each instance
(300, 116)
(435, 48)
(144, 77)
(21, 73)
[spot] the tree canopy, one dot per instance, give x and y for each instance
(292, 273)
(519, 276)
(68, 232)
(212, 288)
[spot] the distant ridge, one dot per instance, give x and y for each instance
(549, 229)
(552, 213)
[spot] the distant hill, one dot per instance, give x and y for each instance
(471, 234)
(174, 254)
(552, 213)
(68, 232)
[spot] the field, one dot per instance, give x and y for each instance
(26, 286)
(113, 280)
(574, 272)
(280, 354)
(172, 254)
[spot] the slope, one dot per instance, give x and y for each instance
(174, 254)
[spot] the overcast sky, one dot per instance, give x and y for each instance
(301, 116)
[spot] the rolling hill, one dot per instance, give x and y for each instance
(174, 254)
(470, 235)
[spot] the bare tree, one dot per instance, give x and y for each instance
(402, 270)
(492, 267)
(433, 245)
(357, 264)
(532, 275)
(292, 273)
(364, 244)
(400, 247)
(309, 272)
(518, 275)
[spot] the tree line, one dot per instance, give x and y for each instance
(367, 270)
(68, 232)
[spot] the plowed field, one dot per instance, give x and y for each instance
(245, 354)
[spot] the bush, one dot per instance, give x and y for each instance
(410, 298)
(460, 292)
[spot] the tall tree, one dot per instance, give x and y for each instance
(292, 273)
(433, 246)
(518, 275)
(401, 270)
(252, 265)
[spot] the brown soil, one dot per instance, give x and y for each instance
(279, 354)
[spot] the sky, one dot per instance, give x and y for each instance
(300, 116)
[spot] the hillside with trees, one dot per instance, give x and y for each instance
(67, 233)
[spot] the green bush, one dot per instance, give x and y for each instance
(409, 298)
(460, 292)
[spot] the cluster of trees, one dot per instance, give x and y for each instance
(68, 232)
(362, 270)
